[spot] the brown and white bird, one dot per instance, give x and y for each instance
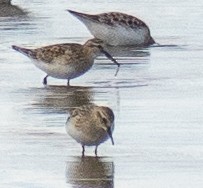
(91, 125)
(66, 61)
(116, 28)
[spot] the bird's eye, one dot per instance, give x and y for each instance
(104, 120)
(100, 47)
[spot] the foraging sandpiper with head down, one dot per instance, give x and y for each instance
(116, 29)
(66, 61)
(91, 125)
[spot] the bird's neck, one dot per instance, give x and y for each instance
(91, 53)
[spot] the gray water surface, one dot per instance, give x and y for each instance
(157, 99)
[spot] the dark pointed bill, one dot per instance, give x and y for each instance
(110, 135)
(111, 58)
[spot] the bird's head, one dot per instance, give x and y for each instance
(106, 117)
(96, 47)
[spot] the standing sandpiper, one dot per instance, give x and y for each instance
(116, 29)
(91, 125)
(66, 61)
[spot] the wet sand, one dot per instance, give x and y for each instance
(156, 98)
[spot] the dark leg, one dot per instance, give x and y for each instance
(45, 80)
(83, 151)
(95, 151)
(68, 83)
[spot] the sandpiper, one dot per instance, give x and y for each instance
(5, 1)
(116, 29)
(91, 125)
(9, 10)
(66, 61)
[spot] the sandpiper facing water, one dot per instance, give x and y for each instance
(91, 125)
(116, 29)
(66, 61)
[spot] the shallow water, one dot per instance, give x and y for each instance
(157, 98)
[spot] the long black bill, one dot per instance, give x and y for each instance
(110, 135)
(111, 58)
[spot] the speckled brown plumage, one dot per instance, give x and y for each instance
(113, 18)
(68, 51)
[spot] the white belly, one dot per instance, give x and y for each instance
(62, 71)
(118, 35)
(86, 138)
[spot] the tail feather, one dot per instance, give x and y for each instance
(27, 52)
(83, 16)
(77, 14)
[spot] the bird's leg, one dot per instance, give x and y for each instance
(45, 80)
(111, 58)
(83, 150)
(95, 151)
(68, 82)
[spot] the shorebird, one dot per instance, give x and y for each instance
(5, 1)
(66, 61)
(9, 10)
(91, 125)
(116, 29)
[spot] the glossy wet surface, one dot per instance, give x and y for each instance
(157, 98)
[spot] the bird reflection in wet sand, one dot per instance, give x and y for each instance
(127, 51)
(9, 10)
(90, 172)
(61, 98)
(91, 125)
(66, 61)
